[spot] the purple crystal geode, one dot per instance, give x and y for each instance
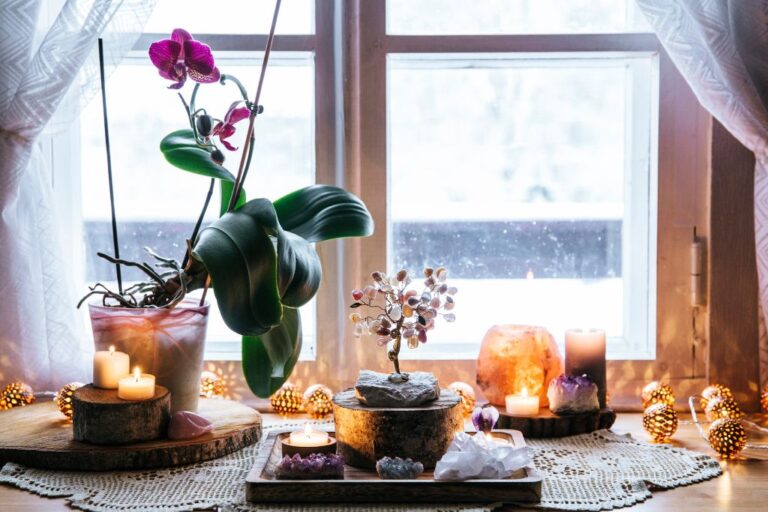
(314, 466)
(572, 394)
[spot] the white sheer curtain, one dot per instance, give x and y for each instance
(721, 48)
(48, 52)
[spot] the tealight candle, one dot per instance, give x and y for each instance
(139, 386)
(308, 437)
(522, 404)
(109, 367)
(307, 441)
(585, 355)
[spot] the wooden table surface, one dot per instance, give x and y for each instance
(743, 485)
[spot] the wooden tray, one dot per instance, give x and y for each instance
(40, 436)
(547, 424)
(363, 486)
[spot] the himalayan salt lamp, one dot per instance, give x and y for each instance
(517, 357)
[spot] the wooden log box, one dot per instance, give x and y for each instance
(366, 434)
(101, 417)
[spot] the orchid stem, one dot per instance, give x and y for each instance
(199, 221)
(243, 170)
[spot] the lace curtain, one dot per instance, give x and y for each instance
(721, 48)
(49, 57)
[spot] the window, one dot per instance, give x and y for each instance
(533, 147)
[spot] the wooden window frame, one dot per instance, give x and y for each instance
(683, 150)
(350, 46)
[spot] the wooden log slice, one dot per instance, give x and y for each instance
(366, 434)
(99, 416)
(39, 436)
(547, 424)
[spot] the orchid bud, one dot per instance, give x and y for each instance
(217, 156)
(204, 125)
(484, 418)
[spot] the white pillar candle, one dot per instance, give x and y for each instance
(585, 355)
(309, 437)
(522, 404)
(139, 386)
(109, 367)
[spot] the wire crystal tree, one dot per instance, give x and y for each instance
(394, 311)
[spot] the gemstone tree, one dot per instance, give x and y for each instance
(404, 312)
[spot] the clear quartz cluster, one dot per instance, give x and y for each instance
(395, 468)
(405, 312)
(313, 466)
(479, 457)
(572, 394)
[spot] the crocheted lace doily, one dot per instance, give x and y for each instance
(604, 471)
(597, 471)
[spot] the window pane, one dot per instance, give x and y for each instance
(232, 17)
(529, 180)
(157, 204)
(457, 17)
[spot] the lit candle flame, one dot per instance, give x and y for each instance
(111, 350)
(137, 373)
(524, 392)
(529, 274)
(307, 430)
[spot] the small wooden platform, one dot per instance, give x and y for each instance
(40, 436)
(365, 486)
(547, 424)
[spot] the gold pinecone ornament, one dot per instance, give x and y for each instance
(722, 408)
(764, 399)
(727, 437)
(715, 391)
(64, 398)
(211, 385)
(17, 394)
(318, 401)
(467, 395)
(657, 393)
(660, 421)
(287, 400)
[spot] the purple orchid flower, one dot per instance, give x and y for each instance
(226, 129)
(181, 56)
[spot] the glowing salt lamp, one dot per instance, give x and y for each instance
(517, 357)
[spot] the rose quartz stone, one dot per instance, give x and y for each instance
(188, 425)
(513, 357)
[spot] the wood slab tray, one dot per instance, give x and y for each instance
(364, 486)
(547, 424)
(40, 436)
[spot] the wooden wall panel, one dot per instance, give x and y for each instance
(733, 299)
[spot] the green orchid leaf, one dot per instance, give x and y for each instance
(256, 267)
(323, 212)
(268, 360)
(226, 194)
(181, 150)
(239, 253)
(263, 267)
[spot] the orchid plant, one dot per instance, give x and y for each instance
(258, 256)
(401, 312)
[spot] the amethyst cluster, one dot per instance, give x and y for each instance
(484, 418)
(569, 394)
(314, 466)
